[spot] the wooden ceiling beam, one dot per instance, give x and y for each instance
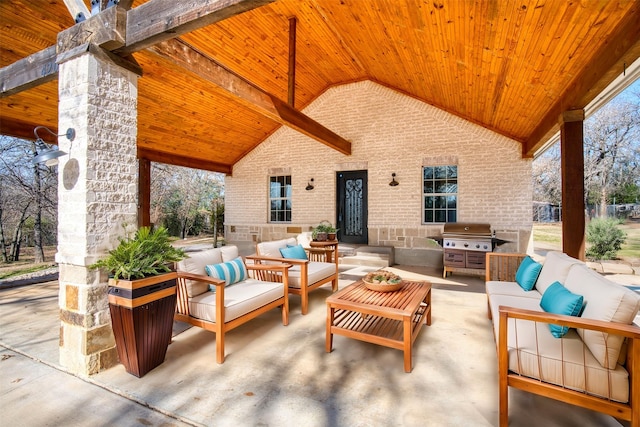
(121, 31)
(159, 20)
(34, 70)
(77, 9)
(608, 62)
(247, 93)
(185, 161)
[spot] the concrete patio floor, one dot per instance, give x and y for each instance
(275, 375)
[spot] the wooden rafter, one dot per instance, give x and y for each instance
(185, 161)
(158, 22)
(248, 94)
(291, 92)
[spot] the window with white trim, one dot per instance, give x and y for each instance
(280, 198)
(440, 194)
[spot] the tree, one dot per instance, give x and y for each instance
(547, 183)
(184, 199)
(611, 144)
(29, 194)
(611, 157)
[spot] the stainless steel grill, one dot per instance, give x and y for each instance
(465, 244)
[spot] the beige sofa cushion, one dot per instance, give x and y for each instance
(228, 253)
(272, 249)
(567, 362)
(316, 271)
(510, 288)
(239, 298)
(555, 269)
(606, 301)
(196, 263)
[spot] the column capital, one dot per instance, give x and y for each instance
(571, 116)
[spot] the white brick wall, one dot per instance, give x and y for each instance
(389, 132)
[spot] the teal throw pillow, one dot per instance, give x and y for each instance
(559, 300)
(231, 272)
(528, 273)
(294, 252)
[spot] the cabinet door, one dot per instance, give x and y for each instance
(454, 258)
(476, 260)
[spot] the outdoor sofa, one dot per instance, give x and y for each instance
(217, 291)
(594, 364)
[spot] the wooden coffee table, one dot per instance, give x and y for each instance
(391, 319)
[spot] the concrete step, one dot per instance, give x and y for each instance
(346, 250)
(371, 256)
(369, 261)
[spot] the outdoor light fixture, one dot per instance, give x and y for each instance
(393, 182)
(309, 185)
(50, 158)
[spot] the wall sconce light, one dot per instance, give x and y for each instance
(309, 186)
(393, 182)
(50, 158)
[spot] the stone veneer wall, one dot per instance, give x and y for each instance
(97, 193)
(390, 132)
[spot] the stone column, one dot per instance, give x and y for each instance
(97, 195)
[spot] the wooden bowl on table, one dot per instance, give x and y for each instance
(382, 281)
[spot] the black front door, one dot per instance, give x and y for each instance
(352, 207)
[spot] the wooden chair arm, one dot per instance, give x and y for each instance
(502, 266)
(280, 260)
(269, 267)
(630, 331)
(318, 250)
(200, 278)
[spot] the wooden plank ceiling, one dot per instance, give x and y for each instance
(512, 67)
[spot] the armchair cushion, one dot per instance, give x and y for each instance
(196, 264)
(294, 252)
(316, 271)
(231, 272)
(239, 299)
(272, 249)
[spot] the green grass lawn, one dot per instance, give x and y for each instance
(551, 234)
(631, 248)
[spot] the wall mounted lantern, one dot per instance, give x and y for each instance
(50, 158)
(309, 186)
(393, 182)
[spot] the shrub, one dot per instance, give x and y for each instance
(605, 238)
(148, 253)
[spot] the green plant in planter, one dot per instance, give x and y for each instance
(148, 253)
(323, 229)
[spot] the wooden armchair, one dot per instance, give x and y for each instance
(305, 275)
(216, 306)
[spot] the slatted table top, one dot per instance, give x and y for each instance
(396, 304)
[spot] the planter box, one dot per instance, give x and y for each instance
(142, 320)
